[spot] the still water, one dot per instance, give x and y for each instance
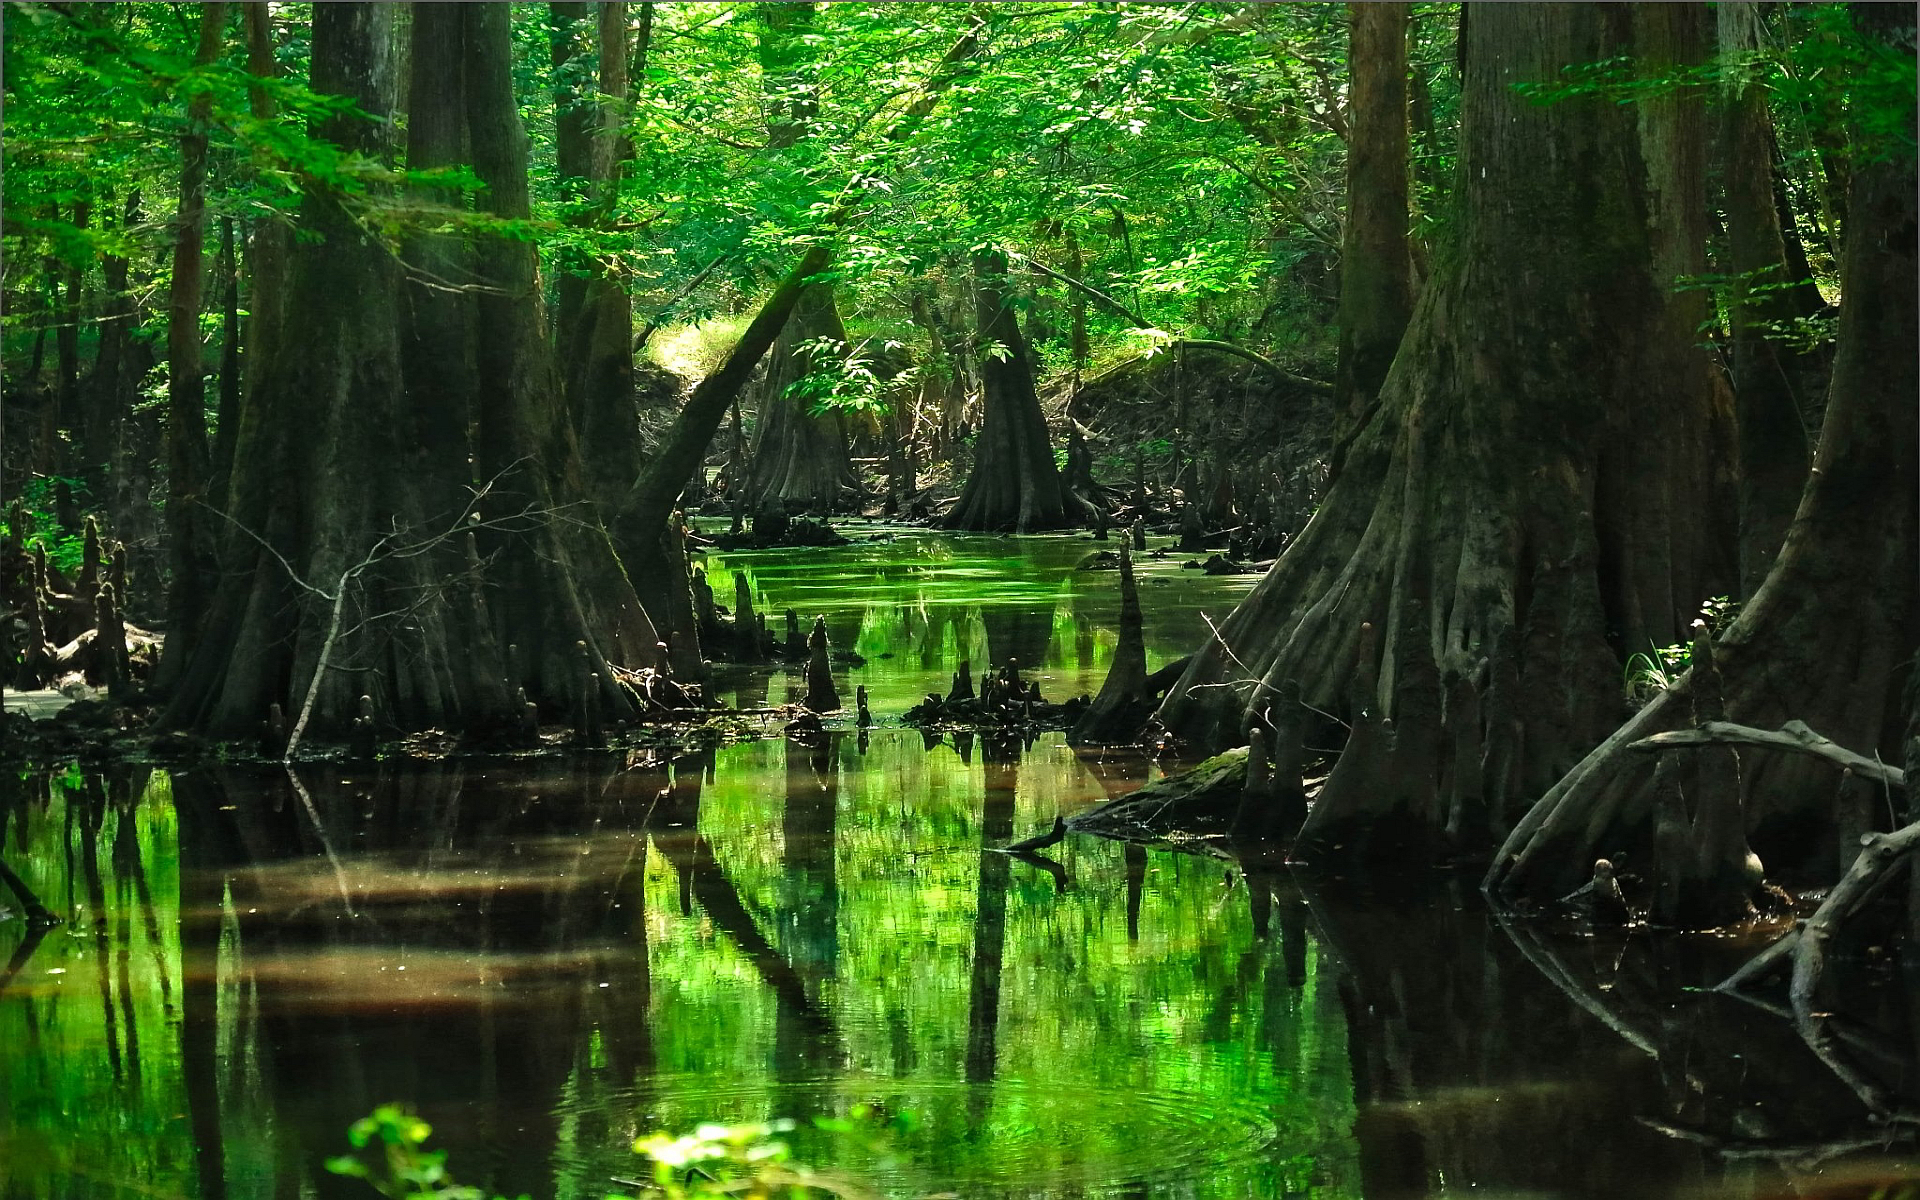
(548, 958)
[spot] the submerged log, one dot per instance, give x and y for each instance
(1208, 796)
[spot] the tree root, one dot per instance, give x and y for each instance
(1794, 735)
(1805, 948)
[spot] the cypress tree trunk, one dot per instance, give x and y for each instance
(1829, 637)
(560, 583)
(572, 150)
(1376, 271)
(1772, 385)
(1014, 485)
(599, 345)
(802, 459)
(188, 460)
(360, 564)
(1533, 495)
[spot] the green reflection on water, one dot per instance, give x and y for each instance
(845, 941)
(552, 958)
(917, 605)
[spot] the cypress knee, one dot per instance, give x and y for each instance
(821, 696)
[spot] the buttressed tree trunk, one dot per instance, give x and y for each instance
(1376, 270)
(350, 560)
(1533, 496)
(1014, 484)
(802, 458)
(1830, 636)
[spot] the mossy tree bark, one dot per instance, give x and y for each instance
(1536, 493)
(1830, 636)
(361, 561)
(1014, 485)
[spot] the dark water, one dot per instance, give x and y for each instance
(549, 959)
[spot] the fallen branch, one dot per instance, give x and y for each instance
(1794, 735)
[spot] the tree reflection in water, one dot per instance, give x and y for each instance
(548, 959)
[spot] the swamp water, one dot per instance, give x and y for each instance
(549, 958)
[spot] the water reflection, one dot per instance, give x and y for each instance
(551, 958)
(918, 604)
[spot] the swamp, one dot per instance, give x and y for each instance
(989, 601)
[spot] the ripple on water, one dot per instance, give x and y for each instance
(1008, 1135)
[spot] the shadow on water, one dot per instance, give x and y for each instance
(550, 958)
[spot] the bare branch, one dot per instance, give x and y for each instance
(1794, 735)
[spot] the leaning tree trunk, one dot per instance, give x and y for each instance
(1534, 495)
(1376, 269)
(802, 458)
(1015, 484)
(1830, 635)
(351, 570)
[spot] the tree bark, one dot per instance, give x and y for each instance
(189, 533)
(1770, 380)
(1376, 270)
(599, 359)
(801, 458)
(1535, 490)
(1828, 638)
(573, 151)
(1014, 485)
(394, 529)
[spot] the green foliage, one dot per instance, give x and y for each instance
(65, 551)
(1657, 670)
(713, 1161)
(749, 1160)
(402, 1168)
